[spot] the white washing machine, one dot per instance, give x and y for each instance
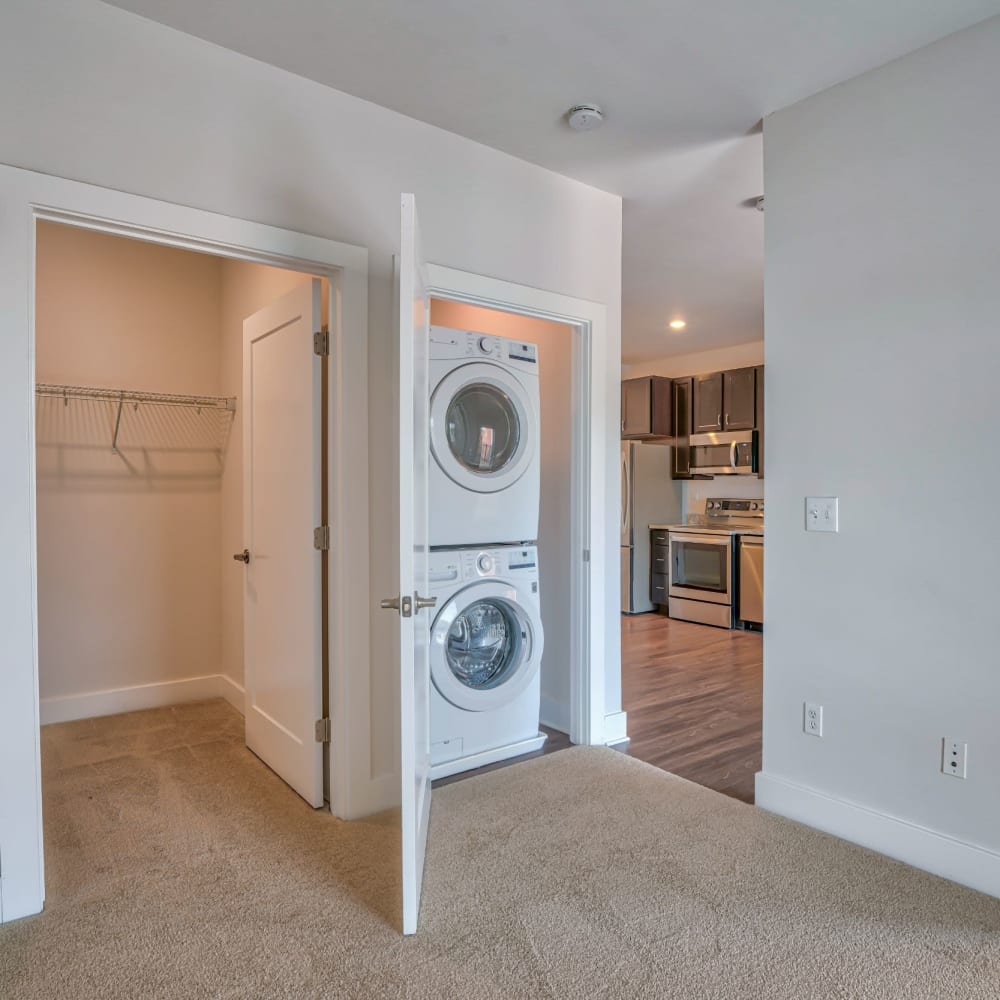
(486, 650)
(485, 427)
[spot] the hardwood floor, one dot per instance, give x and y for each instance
(693, 695)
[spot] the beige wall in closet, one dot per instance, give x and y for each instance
(128, 572)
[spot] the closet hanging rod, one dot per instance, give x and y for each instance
(67, 392)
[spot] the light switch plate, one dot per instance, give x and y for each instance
(822, 514)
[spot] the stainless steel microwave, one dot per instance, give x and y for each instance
(724, 454)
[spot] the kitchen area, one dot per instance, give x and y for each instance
(692, 555)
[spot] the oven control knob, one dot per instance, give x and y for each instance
(710, 505)
(485, 563)
(753, 506)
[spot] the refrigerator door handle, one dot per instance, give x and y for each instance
(626, 498)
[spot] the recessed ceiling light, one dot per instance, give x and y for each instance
(677, 324)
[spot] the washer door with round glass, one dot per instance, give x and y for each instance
(486, 646)
(483, 427)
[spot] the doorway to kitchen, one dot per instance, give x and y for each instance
(692, 569)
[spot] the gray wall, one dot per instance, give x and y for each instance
(883, 365)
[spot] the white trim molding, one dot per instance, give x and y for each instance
(25, 198)
(137, 697)
(232, 691)
(616, 728)
(967, 864)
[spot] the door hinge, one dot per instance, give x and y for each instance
(586, 555)
(321, 342)
(323, 731)
(321, 538)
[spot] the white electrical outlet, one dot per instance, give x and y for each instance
(954, 757)
(822, 514)
(812, 719)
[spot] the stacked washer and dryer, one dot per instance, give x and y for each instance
(484, 484)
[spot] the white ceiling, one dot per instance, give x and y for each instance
(684, 84)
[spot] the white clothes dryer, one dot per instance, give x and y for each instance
(485, 467)
(486, 649)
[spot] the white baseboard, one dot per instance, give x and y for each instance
(232, 692)
(113, 701)
(554, 714)
(967, 864)
(616, 728)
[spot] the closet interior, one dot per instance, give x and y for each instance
(139, 499)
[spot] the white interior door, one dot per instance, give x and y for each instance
(414, 631)
(282, 440)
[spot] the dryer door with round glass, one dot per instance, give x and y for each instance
(486, 646)
(483, 427)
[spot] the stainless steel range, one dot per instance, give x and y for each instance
(703, 564)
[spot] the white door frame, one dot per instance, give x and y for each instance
(589, 721)
(25, 199)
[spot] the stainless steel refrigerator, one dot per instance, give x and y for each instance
(649, 496)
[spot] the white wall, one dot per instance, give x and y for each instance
(245, 288)
(555, 370)
(128, 104)
(882, 298)
(128, 581)
(699, 362)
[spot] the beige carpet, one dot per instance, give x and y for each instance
(178, 866)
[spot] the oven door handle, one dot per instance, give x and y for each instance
(725, 541)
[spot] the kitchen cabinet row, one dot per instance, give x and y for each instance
(655, 408)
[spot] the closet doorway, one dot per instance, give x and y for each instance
(179, 454)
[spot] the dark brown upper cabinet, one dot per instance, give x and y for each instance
(707, 404)
(739, 399)
(725, 401)
(680, 453)
(646, 408)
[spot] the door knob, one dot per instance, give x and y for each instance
(424, 602)
(404, 605)
(243, 557)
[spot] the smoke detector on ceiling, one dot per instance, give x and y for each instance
(585, 117)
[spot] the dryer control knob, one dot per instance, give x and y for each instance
(484, 345)
(485, 563)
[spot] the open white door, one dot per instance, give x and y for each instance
(414, 632)
(282, 604)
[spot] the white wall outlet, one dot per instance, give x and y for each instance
(822, 514)
(954, 757)
(812, 719)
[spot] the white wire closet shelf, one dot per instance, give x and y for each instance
(134, 398)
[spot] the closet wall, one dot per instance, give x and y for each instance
(128, 569)
(555, 343)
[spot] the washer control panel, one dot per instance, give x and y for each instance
(448, 343)
(501, 562)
